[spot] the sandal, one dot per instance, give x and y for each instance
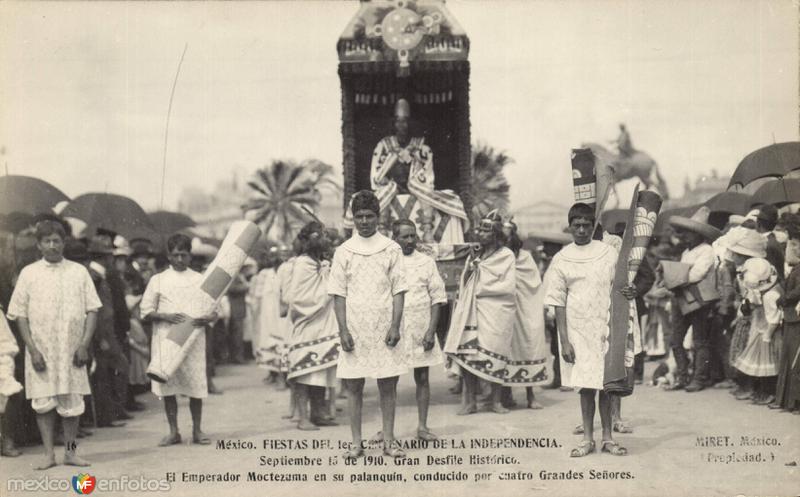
(353, 454)
(170, 440)
(426, 435)
(201, 439)
(584, 448)
(394, 450)
(613, 447)
(622, 427)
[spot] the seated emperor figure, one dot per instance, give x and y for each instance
(402, 177)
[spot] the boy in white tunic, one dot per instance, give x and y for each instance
(165, 303)
(578, 284)
(55, 305)
(421, 309)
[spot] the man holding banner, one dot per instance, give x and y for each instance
(165, 303)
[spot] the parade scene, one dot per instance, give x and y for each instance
(400, 247)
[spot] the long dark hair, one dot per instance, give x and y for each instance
(513, 241)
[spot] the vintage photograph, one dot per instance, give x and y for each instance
(400, 247)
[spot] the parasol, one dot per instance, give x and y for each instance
(28, 195)
(778, 193)
(168, 222)
(111, 212)
(730, 203)
(774, 160)
(662, 223)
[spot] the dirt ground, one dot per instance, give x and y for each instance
(678, 448)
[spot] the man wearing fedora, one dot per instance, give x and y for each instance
(696, 307)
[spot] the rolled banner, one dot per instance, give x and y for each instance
(625, 336)
(648, 205)
(241, 238)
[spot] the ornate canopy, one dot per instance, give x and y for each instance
(402, 32)
(412, 49)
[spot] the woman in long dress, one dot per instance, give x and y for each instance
(368, 284)
(314, 343)
(166, 301)
(787, 394)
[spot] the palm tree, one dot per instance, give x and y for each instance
(489, 189)
(284, 192)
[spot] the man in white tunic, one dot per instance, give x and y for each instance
(368, 284)
(55, 305)
(578, 284)
(423, 302)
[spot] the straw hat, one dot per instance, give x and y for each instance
(698, 223)
(758, 274)
(747, 242)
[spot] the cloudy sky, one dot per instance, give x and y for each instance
(84, 87)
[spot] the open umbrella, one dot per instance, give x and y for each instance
(28, 195)
(730, 203)
(111, 212)
(774, 160)
(168, 222)
(662, 223)
(778, 193)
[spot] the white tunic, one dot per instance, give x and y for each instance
(368, 273)
(425, 289)
(579, 278)
(54, 298)
(171, 292)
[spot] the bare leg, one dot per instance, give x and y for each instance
(587, 413)
(497, 404)
(423, 398)
(47, 428)
(171, 409)
(196, 408)
(387, 389)
(332, 402)
(355, 401)
(532, 403)
(606, 415)
(70, 425)
(292, 415)
(470, 403)
(616, 408)
(301, 400)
